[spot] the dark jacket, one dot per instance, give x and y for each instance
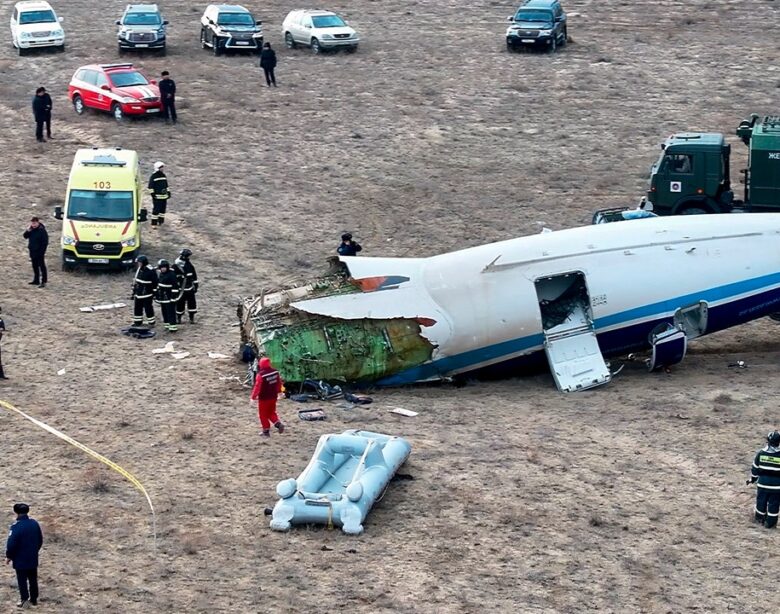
(144, 282)
(349, 249)
(24, 541)
(167, 287)
(41, 106)
(37, 240)
(268, 384)
(267, 58)
(167, 89)
(158, 185)
(766, 468)
(189, 277)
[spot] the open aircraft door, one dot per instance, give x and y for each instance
(570, 340)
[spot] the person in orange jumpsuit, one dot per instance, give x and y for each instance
(268, 385)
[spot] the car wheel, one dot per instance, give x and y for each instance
(120, 50)
(352, 49)
(22, 51)
(163, 51)
(116, 111)
(203, 44)
(61, 48)
(553, 44)
(289, 41)
(565, 37)
(78, 105)
(315, 46)
(215, 46)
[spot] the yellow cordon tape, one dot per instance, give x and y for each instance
(93, 454)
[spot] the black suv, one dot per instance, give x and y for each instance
(141, 27)
(537, 23)
(226, 27)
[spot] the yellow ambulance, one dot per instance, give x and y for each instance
(102, 212)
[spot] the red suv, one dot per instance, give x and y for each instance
(117, 88)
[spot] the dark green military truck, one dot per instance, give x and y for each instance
(692, 174)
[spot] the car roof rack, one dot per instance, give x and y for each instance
(105, 66)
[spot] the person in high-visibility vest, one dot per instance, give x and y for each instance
(766, 471)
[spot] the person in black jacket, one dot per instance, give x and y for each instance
(25, 540)
(37, 242)
(144, 287)
(41, 106)
(158, 188)
(188, 282)
(268, 63)
(766, 471)
(168, 96)
(167, 295)
(348, 247)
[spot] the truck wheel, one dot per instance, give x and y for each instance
(66, 266)
(694, 210)
(78, 105)
(289, 41)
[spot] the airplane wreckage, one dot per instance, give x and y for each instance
(576, 296)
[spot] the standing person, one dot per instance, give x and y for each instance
(189, 286)
(167, 295)
(2, 330)
(25, 540)
(37, 242)
(348, 247)
(766, 471)
(268, 63)
(41, 106)
(268, 385)
(144, 287)
(168, 95)
(158, 187)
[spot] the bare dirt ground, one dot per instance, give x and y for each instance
(432, 137)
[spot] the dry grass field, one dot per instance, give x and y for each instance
(432, 137)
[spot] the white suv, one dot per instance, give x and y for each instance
(319, 30)
(34, 24)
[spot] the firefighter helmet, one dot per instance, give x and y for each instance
(773, 438)
(142, 259)
(164, 263)
(185, 253)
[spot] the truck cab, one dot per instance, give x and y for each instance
(691, 176)
(102, 212)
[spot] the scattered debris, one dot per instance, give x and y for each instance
(61, 372)
(138, 332)
(228, 378)
(404, 412)
(403, 476)
(180, 355)
(217, 355)
(165, 350)
(681, 417)
(740, 364)
(311, 415)
(93, 308)
(358, 399)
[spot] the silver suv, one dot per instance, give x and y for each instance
(141, 27)
(318, 30)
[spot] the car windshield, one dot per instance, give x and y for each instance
(142, 19)
(328, 21)
(37, 17)
(127, 79)
(100, 206)
(535, 16)
(235, 19)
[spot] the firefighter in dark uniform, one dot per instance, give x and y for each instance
(348, 246)
(189, 286)
(158, 188)
(144, 287)
(2, 330)
(168, 294)
(766, 471)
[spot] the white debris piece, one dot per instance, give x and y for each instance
(61, 372)
(166, 350)
(180, 355)
(217, 355)
(403, 412)
(104, 307)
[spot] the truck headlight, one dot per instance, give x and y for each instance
(66, 240)
(128, 242)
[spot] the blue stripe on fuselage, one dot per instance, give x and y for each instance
(620, 340)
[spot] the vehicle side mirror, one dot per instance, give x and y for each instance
(153, 81)
(105, 87)
(558, 19)
(259, 22)
(142, 214)
(510, 18)
(165, 22)
(58, 213)
(118, 22)
(211, 22)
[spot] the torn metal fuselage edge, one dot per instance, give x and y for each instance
(575, 296)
